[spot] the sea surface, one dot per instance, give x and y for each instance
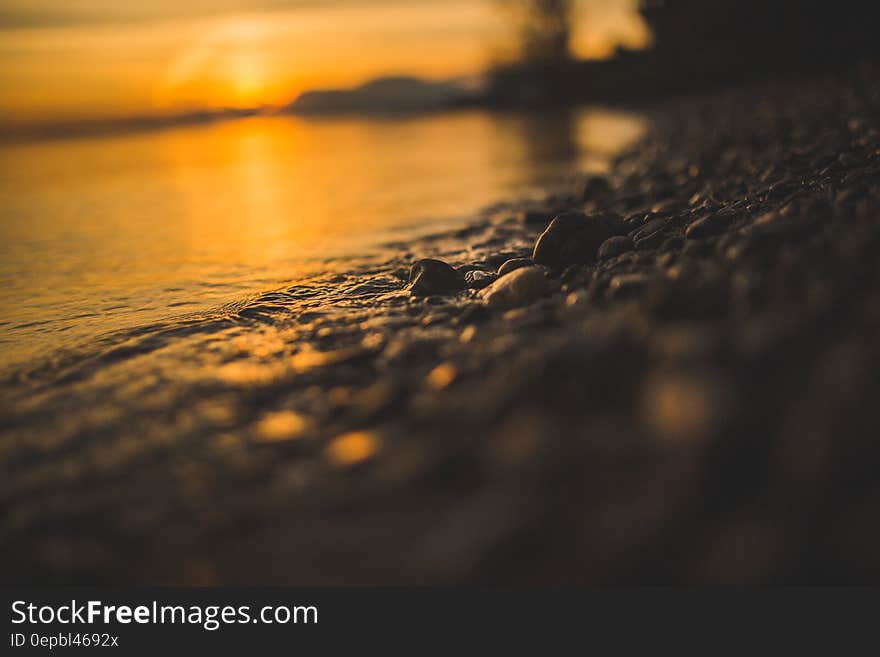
(111, 233)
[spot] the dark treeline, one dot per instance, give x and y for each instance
(544, 29)
(699, 44)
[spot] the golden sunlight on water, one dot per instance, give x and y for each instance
(113, 232)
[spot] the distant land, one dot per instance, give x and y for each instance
(395, 94)
(98, 127)
(385, 95)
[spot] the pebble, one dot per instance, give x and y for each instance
(520, 288)
(513, 264)
(713, 224)
(673, 243)
(704, 227)
(775, 226)
(430, 277)
(628, 285)
(649, 230)
(614, 246)
(781, 189)
(574, 238)
(478, 279)
(594, 188)
(790, 223)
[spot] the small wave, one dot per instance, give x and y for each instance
(300, 303)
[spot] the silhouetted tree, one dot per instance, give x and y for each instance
(543, 29)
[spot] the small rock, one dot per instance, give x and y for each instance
(514, 264)
(651, 229)
(574, 238)
(696, 248)
(614, 246)
(574, 275)
(782, 189)
(794, 221)
(478, 279)
(522, 287)
(657, 216)
(666, 207)
(673, 243)
(651, 243)
(666, 259)
(594, 188)
(628, 285)
(703, 227)
(430, 277)
(709, 226)
(776, 227)
(634, 221)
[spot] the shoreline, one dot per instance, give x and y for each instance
(692, 406)
(254, 234)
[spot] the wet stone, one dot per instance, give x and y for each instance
(430, 277)
(628, 285)
(657, 216)
(513, 264)
(696, 248)
(650, 232)
(519, 288)
(614, 246)
(672, 244)
(478, 279)
(634, 221)
(651, 242)
(574, 238)
(776, 226)
(666, 259)
(782, 189)
(594, 188)
(576, 274)
(708, 226)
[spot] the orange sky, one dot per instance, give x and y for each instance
(93, 59)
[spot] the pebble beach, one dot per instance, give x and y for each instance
(665, 374)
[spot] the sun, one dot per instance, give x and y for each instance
(247, 81)
(226, 66)
(241, 59)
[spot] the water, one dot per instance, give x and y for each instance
(100, 234)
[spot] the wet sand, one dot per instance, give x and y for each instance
(690, 402)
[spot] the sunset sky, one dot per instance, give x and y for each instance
(93, 59)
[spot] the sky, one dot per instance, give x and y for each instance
(71, 60)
